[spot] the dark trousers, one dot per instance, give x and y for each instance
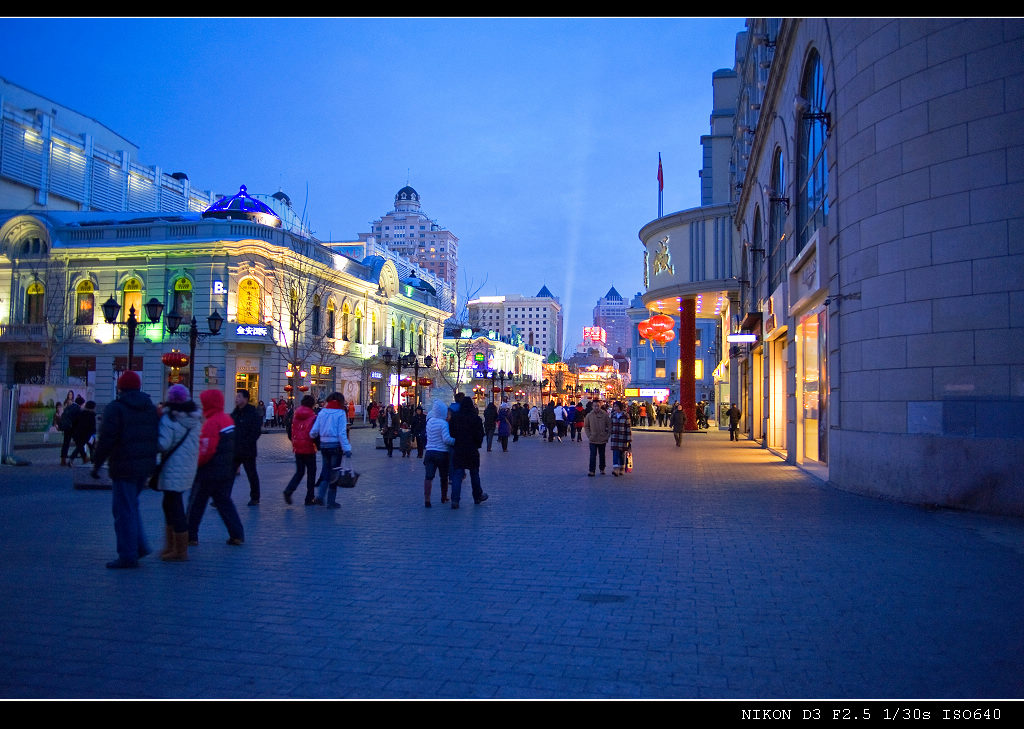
(305, 463)
(66, 444)
(249, 464)
(220, 491)
(174, 511)
(596, 450)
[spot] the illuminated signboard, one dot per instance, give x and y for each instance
(594, 334)
(478, 357)
(251, 331)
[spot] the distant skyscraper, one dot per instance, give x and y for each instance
(610, 314)
(538, 318)
(411, 234)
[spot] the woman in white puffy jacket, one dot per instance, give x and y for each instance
(331, 427)
(179, 453)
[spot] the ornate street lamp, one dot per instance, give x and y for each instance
(214, 321)
(111, 309)
(411, 360)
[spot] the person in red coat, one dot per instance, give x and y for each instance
(304, 449)
(216, 473)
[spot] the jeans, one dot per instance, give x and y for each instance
(131, 540)
(596, 449)
(474, 479)
(332, 457)
(174, 511)
(249, 464)
(220, 491)
(618, 458)
(305, 463)
(490, 438)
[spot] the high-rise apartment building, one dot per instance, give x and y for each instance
(407, 231)
(538, 318)
(610, 315)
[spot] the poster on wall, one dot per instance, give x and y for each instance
(38, 404)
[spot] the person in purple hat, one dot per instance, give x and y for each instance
(129, 438)
(179, 457)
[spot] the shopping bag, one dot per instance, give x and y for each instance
(629, 461)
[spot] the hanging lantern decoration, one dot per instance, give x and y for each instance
(405, 382)
(495, 389)
(644, 329)
(303, 388)
(174, 358)
(288, 388)
(425, 382)
(508, 388)
(667, 336)
(662, 322)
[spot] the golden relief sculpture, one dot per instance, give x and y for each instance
(647, 284)
(662, 259)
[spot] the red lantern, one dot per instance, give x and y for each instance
(288, 388)
(303, 388)
(667, 336)
(495, 389)
(661, 322)
(508, 388)
(644, 328)
(405, 382)
(174, 359)
(426, 382)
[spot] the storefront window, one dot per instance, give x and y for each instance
(812, 393)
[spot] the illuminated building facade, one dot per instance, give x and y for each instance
(876, 170)
(473, 358)
(538, 318)
(408, 232)
(610, 315)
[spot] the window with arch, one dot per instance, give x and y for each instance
(401, 338)
(812, 159)
(35, 297)
(85, 303)
(373, 327)
(182, 298)
(394, 332)
(131, 297)
(330, 318)
(345, 322)
(358, 335)
(419, 340)
(314, 324)
(776, 224)
(249, 301)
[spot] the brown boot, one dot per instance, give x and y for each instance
(168, 549)
(63, 461)
(180, 552)
(427, 484)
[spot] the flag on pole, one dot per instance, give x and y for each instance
(661, 186)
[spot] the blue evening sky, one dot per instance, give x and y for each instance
(535, 141)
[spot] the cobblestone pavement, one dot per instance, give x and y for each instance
(712, 571)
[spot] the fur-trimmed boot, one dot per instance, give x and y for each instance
(180, 551)
(168, 549)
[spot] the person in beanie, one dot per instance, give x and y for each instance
(331, 427)
(180, 425)
(216, 473)
(248, 428)
(129, 438)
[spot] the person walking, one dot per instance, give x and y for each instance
(534, 418)
(504, 422)
(390, 428)
(261, 412)
(438, 442)
(577, 422)
(467, 429)
(559, 421)
(734, 422)
(215, 475)
(490, 423)
(331, 426)
(248, 428)
(598, 427)
(619, 438)
(419, 430)
(304, 449)
(129, 438)
(67, 425)
(678, 422)
(180, 426)
(280, 411)
(82, 432)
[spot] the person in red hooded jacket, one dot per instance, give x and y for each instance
(304, 449)
(216, 473)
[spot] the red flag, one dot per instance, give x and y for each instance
(661, 179)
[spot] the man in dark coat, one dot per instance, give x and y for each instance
(490, 422)
(467, 429)
(734, 422)
(248, 428)
(130, 438)
(67, 426)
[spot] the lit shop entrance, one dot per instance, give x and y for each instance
(249, 381)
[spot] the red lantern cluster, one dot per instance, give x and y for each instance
(425, 382)
(405, 382)
(658, 328)
(303, 388)
(288, 388)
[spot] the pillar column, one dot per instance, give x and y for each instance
(687, 356)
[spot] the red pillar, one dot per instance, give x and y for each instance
(687, 356)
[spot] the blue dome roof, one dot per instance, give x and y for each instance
(243, 207)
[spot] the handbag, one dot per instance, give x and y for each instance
(629, 461)
(344, 477)
(154, 479)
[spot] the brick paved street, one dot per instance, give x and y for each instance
(712, 571)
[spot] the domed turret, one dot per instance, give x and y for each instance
(407, 199)
(243, 207)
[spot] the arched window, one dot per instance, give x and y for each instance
(776, 224)
(85, 303)
(35, 296)
(132, 297)
(183, 299)
(419, 340)
(345, 322)
(373, 327)
(394, 332)
(358, 337)
(750, 270)
(401, 340)
(314, 325)
(330, 318)
(248, 301)
(812, 160)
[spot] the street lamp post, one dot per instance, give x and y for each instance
(194, 336)
(494, 375)
(501, 376)
(411, 360)
(111, 309)
(387, 374)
